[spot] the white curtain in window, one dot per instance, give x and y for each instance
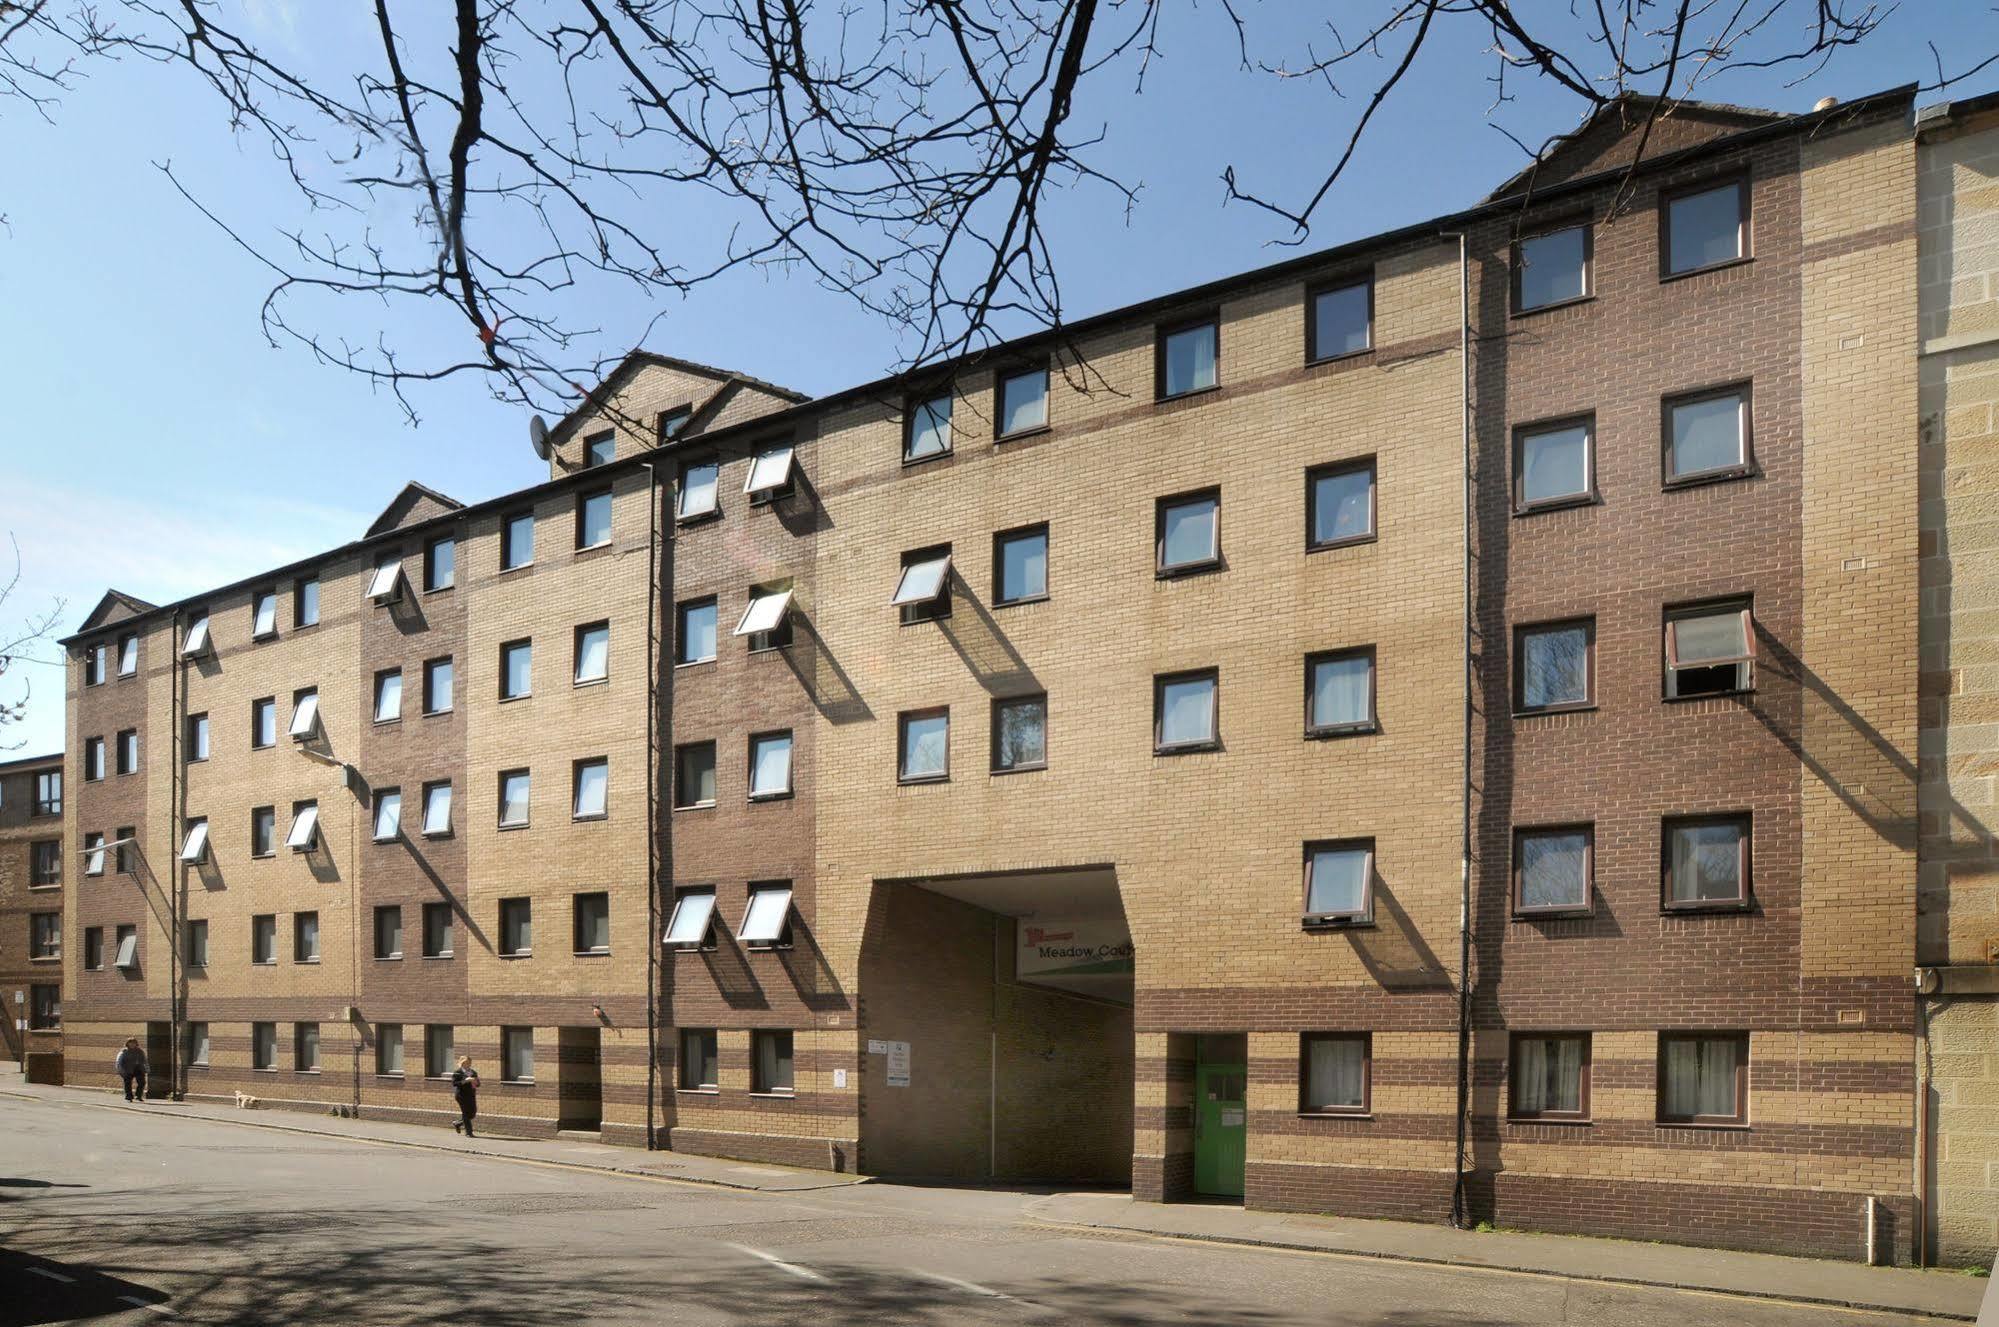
(1707, 862)
(1334, 1075)
(770, 770)
(1340, 690)
(930, 428)
(1548, 1075)
(592, 650)
(697, 490)
(1700, 1076)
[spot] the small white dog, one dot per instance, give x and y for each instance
(244, 1101)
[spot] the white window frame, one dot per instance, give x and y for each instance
(385, 586)
(695, 908)
(1675, 665)
(766, 916)
(305, 717)
(770, 471)
(766, 612)
(922, 582)
(304, 834)
(194, 847)
(196, 641)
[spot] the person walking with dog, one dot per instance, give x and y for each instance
(131, 1065)
(465, 1086)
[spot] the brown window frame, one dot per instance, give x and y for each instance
(506, 648)
(95, 659)
(583, 497)
(1744, 858)
(299, 955)
(576, 768)
(1371, 724)
(1522, 630)
(450, 915)
(588, 448)
(299, 597)
(697, 461)
(902, 721)
(679, 750)
(763, 1089)
(1328, 286)
(577, 902)
(501, 917)
(911, 403)
(1366, 1107)
(256, 602)
(1328, 470)
(1001, 702)
(663, 426)
(262, 923)
(1738, 1120)
(1669, 645)
(430, 547)
(48, 793)
(927, 610)
(40, 1004)
(94, 770)
(1000, 540)
(1213, 562)
(1160, 681)
(1541, 230)
(93, 949)
(1317, 921)
(500, 795)
(711, 1052)
(1745, 209)
(1582, 1112)
(121, 857)
(120, 763)
(1013, 372)
(1589, 494)
(680, 610)
(38, 952)
(269, 815)
(1520, 906)
(1746, 468)
(507, 522)
(1162, 331)
(790, 788)
(38, 876)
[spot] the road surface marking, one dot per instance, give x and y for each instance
(804, 1272)
(970, 1287)
(138, 1303)
(53, 1276)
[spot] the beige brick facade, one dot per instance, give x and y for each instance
(35, 877)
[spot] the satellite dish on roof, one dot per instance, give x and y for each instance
(538, 435)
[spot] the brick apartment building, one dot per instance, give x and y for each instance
(31, 908)
(1098, 760)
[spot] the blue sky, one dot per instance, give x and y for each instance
(144, 406)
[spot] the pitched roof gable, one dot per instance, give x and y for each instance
(412, 506)
(115, 606)
(608, 387)
(1611, 133)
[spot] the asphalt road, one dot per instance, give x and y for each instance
(132, 1217)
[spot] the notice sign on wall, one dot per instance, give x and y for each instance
(898, 1064)
(1093, 957)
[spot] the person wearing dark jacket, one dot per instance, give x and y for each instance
(465, 1086)
(132, 1069)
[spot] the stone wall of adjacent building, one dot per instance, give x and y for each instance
(23, 827)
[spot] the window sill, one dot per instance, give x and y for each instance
(1707, 695)
(430, 590)
(696, 806)
(55, 888)
(520, 825)
(590, 953)
(1039, 430)
(594, 550)
(590, 681)
(1340, 358)
(518, 953)
(388, 958)
(783, 1096)
(1016, 603)
(698, 1091)
(1699, 909)
(1186, 748)
(1187, 569)
(1704, 478)
(1354, 541)
(1552, 914)
(1568, 503)
(917, 780)
(1550, 307)
(391, 722)
(46, 958)
(1036, 768)
(1192, 394)
(434, 835)
(302, 962)
(909, 461)
(1338, 924)
(518, 567)
(393, 1078)
(1725, 1126)
(1666, 278)
(438, 714)
(698, 518)
(1336, 1114)
(692, 663)
(309, 1073)
(435, 958)
(517, 1082)
(508, 700)
(1345, 730)
(1561, 1121)
(599, 815)
(1545, 710)
(263, 856)
(268, 1070)
(784, 796)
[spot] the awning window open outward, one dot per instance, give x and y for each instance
(922, 581)
(764, 922)
(305, 829)
(386, 581)
(771, 470)
(196, 843)
(305, 717)
(197, 637)
(765, 613)
(693, 914)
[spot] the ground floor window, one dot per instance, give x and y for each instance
(697, 1059)
(263, 1045)
(770, 1061)
(1549, 1076)
(389, 1049)
(437, 1050)
(44, 1008)
(305, 1045)
(517, 1055)
(1704, 1078)
(197, 1043)
(1333, 1073)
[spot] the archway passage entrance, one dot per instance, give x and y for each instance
(996, 1012)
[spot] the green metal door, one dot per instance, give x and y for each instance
(1219, 1128)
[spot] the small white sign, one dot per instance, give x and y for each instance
(839, 1078)
(898, 1064)
(877, 1048)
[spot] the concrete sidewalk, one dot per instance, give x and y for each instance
(553, 1151)
(1941, 1294)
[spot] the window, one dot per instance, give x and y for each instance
(700, 486)
(44, 1008)
(767, 919)
(1339, 882)
(264, 1046)
(694, 775)
(264, 614)
(305, 714)
(440, 563)
(1020, 733)
(1184, 711)
(697, 1059)
(1335, 1072)
(771, 1061)
(264, 722)
(1339, 693)
(389, 931)
(1710, 650)
(1340, 504)
(516, 669)
(48, 793)
(389, 1049)
(437, 809)
(197, 1044)
(93, 759)
(593, 652)
(305, 937)
(770, 765)
(1704, 227)
(1554, 666)
(195, 642)
(127, 957)
(128, 654)
(197, 738)
(437, 1050)
(517, 1055)
(127, 839)
(1553, 869)
(93, 948)
(93, 854)
(1707, 435)
(694, 641)
(437, 930)
(600, 450)
(194, 848)
(1023, 402)
(263, 831)
(1339, 320)
(128, 751)
(304, 833)
(45, 864)
(1704, 1078)
(593, 519)
(923, 590)
(693, 918)
(45, 935)
(1189, 532)
(589, 788)
(1551, 268)
(388, 695)
(264, 938)
(385, 585)
(767, 620)
(437, 686)
(1553, 464)
(592, 923)
(672, 423)
(516, 928)
(515, 785)
(1184, 357)
(93, 666)
(770, 473)
(928, 430)
(923, 745)
(305, 601)
(1707, 862)
(388, 813)
(516, 540)
(1548, 1076)
(1020, 565)
(305, 1047)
